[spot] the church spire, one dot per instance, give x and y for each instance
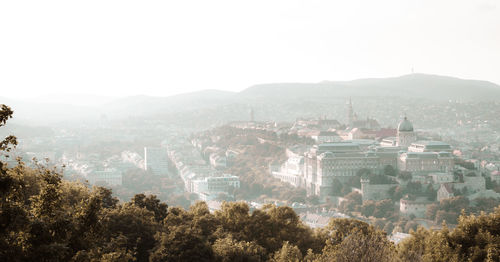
(350, 113)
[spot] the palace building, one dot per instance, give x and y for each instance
(325, 164)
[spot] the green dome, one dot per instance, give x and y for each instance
(405, 126)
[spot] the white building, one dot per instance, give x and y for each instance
(426, 162)
(218, 161)
(405, 135)
(326, 136)
(215, 184)
(416, 207)
(156, 160)
(327, 162)
(398, 237)
(291, 171)
(110, 177)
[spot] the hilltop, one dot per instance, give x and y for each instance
(408, 86)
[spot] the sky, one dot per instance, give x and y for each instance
(161, 48)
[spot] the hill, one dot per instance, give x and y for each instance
(278, 101)
(177, 103)
(432, 87)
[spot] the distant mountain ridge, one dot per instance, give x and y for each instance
(414, 86)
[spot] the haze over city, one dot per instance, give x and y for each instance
(276, 131)
(122, 48)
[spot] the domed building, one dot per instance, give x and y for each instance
(405, 134)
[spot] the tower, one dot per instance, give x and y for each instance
(252, 119)
(405, 134)
(350, 113)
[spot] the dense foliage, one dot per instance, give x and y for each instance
(45, 218)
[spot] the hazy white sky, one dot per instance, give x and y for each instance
(168, 47)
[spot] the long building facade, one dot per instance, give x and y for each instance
(329, 162)
(325, 164)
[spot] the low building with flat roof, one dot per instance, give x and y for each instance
(430, 146)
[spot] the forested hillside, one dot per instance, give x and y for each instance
(44, 218)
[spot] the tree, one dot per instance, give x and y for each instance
(137, 226)
(430, 193)
(425, 245)
(476, 238)
(395, 193)
(271, 226)
(152, 204)
(430, 212)
(10, 141)
(353, 240)
(411, 226)
(234, 218)
(405, 175)
(351, 203)
(312, 200)
(389, 170)
(368, 208)
(182, 243)
(287, 253)
(336, 187)
(383, 208)
(414, 188)
(227, 249)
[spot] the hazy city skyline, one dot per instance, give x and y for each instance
(120, 48)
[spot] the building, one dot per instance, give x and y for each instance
(441, 178)
(326, 163)
(388, 155)
(360, 133)
(398, 237)
(355, 122)
(350, 113)
(495, 176)
(429, 146)
(445, 191)
(215, 184)
(326, 136)
(111, 177)
(156, 160)
(218, 161)
(484, 194)
(390, 141)
(375, 192)
(405, 134)
(330, 161)
(292, 171)
(321, 219)
(416, 207)
(368, 123)
(471, 184)
(426, 162)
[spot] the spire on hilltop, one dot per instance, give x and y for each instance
(350, 113)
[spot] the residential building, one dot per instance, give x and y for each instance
(416, 207)
(445, 191)
(156, 160)
(111, 177)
